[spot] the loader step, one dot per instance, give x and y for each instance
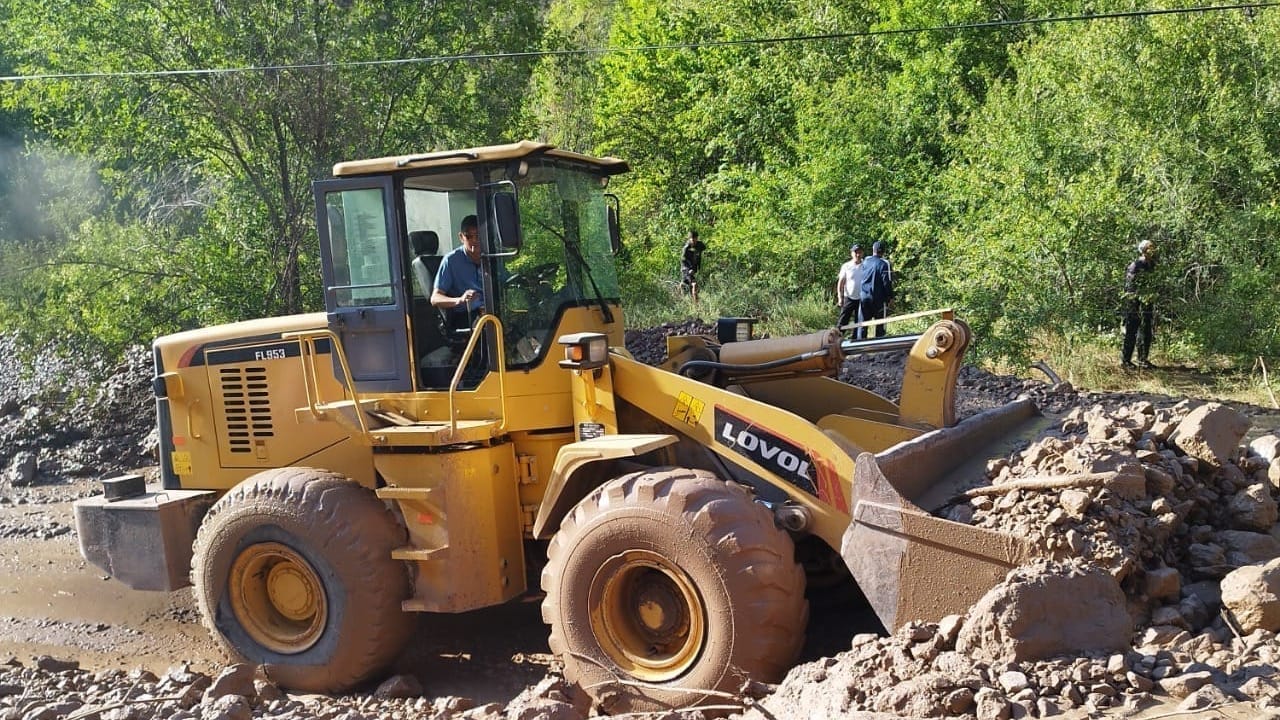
(393, 492)
(409, 552)
(436, 433)
(393, 429)
(415, 605)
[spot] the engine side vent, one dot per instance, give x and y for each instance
(247, 406)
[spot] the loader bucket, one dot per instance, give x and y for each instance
(910, 564)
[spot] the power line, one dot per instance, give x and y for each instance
(988, 25)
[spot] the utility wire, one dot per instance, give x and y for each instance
(988, 25)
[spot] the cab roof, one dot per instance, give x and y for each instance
(525, 149)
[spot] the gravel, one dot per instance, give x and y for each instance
(61, 419)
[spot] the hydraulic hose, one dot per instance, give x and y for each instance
(753, 368)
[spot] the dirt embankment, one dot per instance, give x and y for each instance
(1118, 490)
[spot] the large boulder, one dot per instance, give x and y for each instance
(1266, 447)
(234, 680)
(1211, 433)
(22, 471)
(1252, 595)
(1253, 508)
(1046, 610)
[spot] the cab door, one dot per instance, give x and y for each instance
(362, 268)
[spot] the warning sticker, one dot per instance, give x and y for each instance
(181, 461)
(688, 409)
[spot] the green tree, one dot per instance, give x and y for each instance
(563, 87)
(228, 156)
(1111, 133)
(794, 148)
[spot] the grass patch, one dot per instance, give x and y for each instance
(1093, 363)
(778, 314)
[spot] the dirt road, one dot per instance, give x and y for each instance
(52, 602)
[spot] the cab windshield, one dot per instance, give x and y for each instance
(566, 259)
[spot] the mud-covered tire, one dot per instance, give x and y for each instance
(676, 583)
(293, 571)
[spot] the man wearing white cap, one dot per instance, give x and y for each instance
(1138, 313)
(849, 288)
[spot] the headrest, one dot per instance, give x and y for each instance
(424, 242)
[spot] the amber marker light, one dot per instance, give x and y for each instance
(584, 351)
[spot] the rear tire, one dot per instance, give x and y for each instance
(293, 571)
(676, 583)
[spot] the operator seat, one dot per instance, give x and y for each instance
(426, 258)
(429, 338)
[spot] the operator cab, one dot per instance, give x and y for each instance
(547, 232)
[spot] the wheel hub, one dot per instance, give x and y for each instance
(659, 605)
(277, 597)
(647, 615)
(290, 591)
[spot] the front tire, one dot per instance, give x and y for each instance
(293, 571)
(675, 583)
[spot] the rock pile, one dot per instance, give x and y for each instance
(976, 389)
(65, 418)
(649, 345)
(1165, 502)
(51, 688)
(1165, 499)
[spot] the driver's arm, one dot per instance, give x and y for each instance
(446, 284)
(443, 301)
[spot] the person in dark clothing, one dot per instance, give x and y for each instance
(691, 262)
(1139, 316)
(877, 289)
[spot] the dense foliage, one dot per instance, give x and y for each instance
(1011, 168)
(204, 213)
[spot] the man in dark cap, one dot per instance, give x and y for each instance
(1138, 311)
(848, 288)
(876, 288)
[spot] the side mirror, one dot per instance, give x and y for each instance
(507, 214)
(615, 226)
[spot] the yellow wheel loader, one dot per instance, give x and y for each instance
(416, 448)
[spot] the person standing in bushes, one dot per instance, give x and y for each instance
(876, 287)
(849, 288)
(691, 263)
(1139, 315)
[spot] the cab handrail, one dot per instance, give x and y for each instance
(466, 358)
(307, 347)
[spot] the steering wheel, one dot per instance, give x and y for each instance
(533, 276)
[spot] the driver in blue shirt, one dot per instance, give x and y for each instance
(459, 283)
